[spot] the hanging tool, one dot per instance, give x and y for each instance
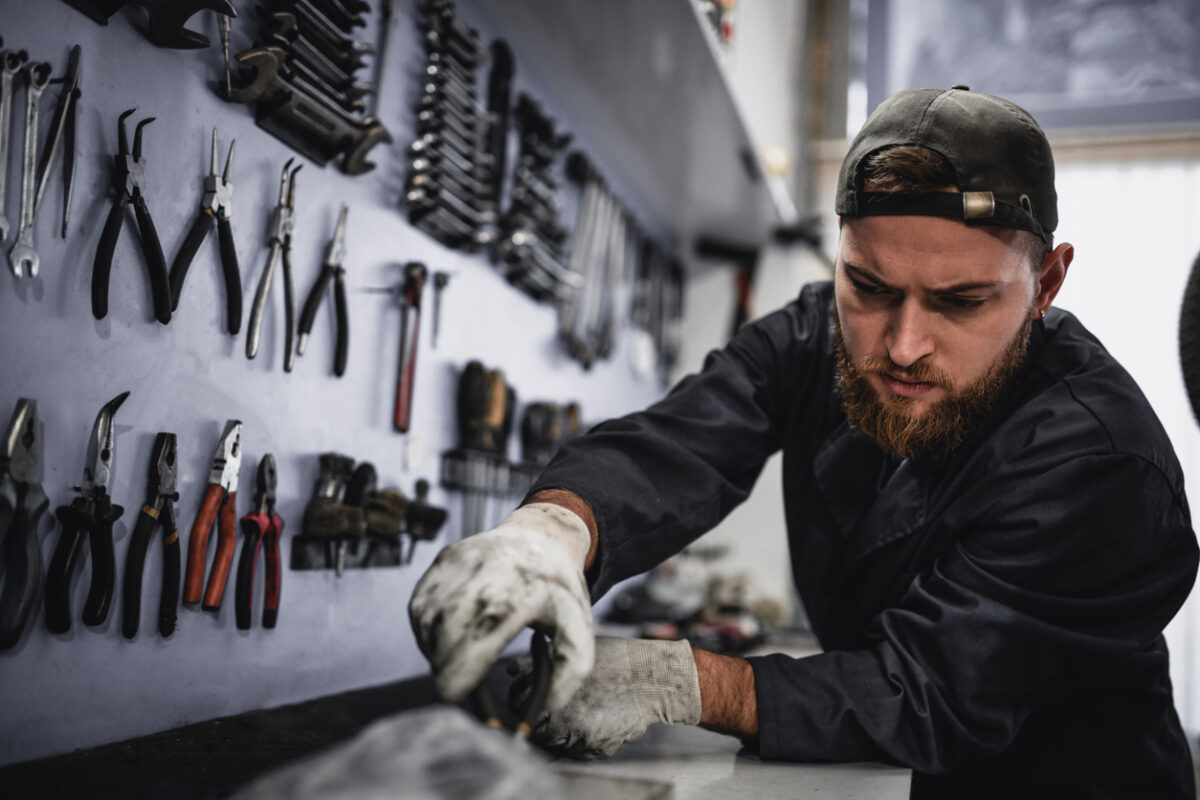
(225, 49)
(61, 132)
(478, 467)
(22, 257)
(331, 271)
(129, 182)
(410, 323)
(22, 502)
(282, 225)
(261, 527)
(440, 281)
(93, 513)
(220, 506)
(422, 521)
(10, 66)
(325, 513)
(158, 510)
(214, 206)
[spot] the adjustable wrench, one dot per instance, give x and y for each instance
(10, 65)
(22, 256)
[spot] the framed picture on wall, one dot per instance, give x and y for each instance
(1090, 66)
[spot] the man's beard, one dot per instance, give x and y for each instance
(945, 425)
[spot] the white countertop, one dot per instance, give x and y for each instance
(695, 763)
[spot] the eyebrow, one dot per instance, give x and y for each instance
(864, 274)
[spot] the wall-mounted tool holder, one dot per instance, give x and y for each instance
(302, 78)
(166, 18)
(350, 524)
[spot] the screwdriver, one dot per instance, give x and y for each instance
(415, 274)
(485, 410)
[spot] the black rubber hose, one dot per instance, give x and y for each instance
(1189, 338)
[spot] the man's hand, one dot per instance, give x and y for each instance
(480, 592)
(634, 684)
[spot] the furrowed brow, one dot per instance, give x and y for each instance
(864, 275)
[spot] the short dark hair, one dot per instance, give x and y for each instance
(912, 169)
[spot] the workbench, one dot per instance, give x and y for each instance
(689, 763)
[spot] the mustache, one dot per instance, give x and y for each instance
(919, 372)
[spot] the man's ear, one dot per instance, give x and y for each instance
(1052, 274)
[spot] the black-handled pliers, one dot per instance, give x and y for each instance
(129, 182)
(282, 224)
(22, 502)
(93, 513)
(159, 509)
(214, 206)
(331, 270)
(535, 704)
(261, 529)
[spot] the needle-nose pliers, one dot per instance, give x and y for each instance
(214, 206)
(331, 270)
(129, 182)
(282, 225)
(159, 509)
(261, 528)
(92, 512)
(22, 502)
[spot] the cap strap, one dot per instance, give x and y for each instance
(977, 207)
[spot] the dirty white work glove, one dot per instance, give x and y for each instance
(634, 684)
(480, 592)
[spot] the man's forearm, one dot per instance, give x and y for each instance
(576, 504)
(727, 698)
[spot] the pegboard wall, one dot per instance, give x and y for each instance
(91, 685)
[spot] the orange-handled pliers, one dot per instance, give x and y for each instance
(261, 528)
(220, 505)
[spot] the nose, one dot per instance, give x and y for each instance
(909, 336)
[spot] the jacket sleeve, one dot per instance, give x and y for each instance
(659, 478)
(1058, 577)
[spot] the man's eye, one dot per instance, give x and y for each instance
(867, 289)
(961, 303)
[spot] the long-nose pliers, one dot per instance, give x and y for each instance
(159, 509)
(282, 225)
(220, 505)
(22, 502)
(261, 528)
(129, 182)
(93, 513)
(331, 271)
(214, 206)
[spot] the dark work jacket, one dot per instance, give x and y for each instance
(993, 622)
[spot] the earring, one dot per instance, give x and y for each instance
(1042, 313)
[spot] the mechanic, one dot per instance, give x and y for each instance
(987, 522)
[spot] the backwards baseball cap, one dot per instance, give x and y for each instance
(999, 154)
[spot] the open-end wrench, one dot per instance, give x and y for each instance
(10, 65)
(22, 256)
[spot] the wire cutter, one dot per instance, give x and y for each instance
(92, 512)
(280, 240)
(261, 527)
(331, 270)
(159, 509)
(129, 181)
(219, 504)
(214, 206)
(22, 502)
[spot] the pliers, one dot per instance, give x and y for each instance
(331, 270)
(219, 504)
(535, 703)
(280, 240)
(22, 502)
(92, 512)
(214, 206)
(261, 527)
(129, 181)
(159, 509)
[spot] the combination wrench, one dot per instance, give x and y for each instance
(22, 256)
(10, 65)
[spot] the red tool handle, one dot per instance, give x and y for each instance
(223, 560)
(193, 579)
(274, 572)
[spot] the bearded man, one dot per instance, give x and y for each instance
(987, 523)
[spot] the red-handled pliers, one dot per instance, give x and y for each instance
(220, 505)
(261, 527)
